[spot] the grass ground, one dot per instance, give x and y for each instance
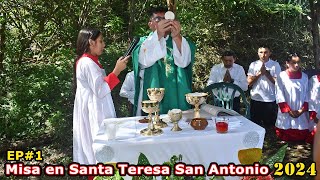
(297, 152)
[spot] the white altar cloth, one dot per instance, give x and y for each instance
(196, 147)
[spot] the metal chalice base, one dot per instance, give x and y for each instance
(151, 132)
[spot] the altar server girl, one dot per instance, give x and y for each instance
(292, 97)
(93, 100)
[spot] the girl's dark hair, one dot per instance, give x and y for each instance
(83, 47)
(290, 56)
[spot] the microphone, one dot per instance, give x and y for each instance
(132, 46)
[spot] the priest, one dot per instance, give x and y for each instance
(163, 59)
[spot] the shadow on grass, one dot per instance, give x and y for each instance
(297, 152)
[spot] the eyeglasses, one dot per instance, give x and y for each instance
(158, 18)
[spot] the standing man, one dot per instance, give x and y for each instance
(228, 71)
(127, 90)
(164, 60)
(262, 75)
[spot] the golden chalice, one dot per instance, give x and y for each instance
(196, 99)
(157, 94)
(175, 115)
(150, 107)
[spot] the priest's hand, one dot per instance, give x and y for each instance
(163, 26)
(175, 34)
(175, 29)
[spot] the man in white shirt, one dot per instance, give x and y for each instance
(261, 77)
(127, 89)
(164, 59)
(228, 71)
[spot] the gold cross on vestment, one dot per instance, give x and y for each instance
(167, 66)
(167, 63)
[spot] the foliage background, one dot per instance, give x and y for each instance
(37, 50)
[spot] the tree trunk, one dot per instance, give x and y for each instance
(172, 5)
(315, 16)
(131, 18)
(2, 40)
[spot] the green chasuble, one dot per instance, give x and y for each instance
(164, 74)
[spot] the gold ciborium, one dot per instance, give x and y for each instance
(157, 94)
(196, 99)
(175, 115)
(150, 107)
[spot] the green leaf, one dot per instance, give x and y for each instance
(173, 159)
(217, 178)
(199, 178)
(282, 178)
(277, 157)
(143, 160)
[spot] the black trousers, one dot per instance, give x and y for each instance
(263, 113)
(130, 109)
(236, 104)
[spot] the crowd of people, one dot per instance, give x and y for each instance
(283, 99)
(287, 99)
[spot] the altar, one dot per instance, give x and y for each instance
(196, 147)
